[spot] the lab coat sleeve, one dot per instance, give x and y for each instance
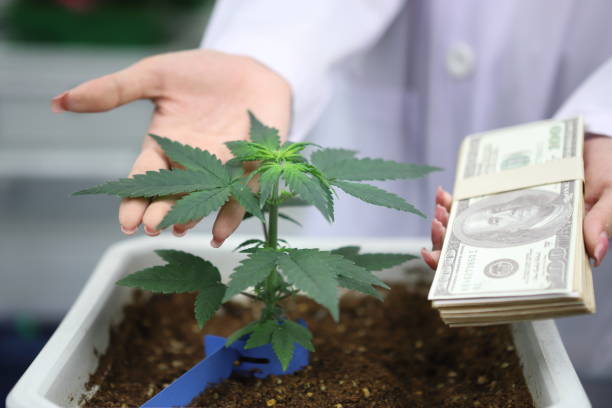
(301, 40)
(593, 100)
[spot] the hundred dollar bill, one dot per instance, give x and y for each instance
(520, 242)
(514, 243)
(492, 152)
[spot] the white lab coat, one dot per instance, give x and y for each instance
(408, 80)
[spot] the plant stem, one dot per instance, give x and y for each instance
(273, 220)
(272, 281)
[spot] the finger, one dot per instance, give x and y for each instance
(441, 215)
(229, 218)
(231, 214)
(130, 214)
(444, 198)
(132, 210)
(437, 234)
(180, 230)
(598, 227)
(431, 258)
(155, 213)
(110, 91)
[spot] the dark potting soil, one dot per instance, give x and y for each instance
(395, 353)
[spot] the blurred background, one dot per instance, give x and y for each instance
(49, 241)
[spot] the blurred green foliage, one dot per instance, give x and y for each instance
(103, 22)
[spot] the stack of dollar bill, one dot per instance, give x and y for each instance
(514, 248)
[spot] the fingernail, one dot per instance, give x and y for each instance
(215, 244)
(427, 258)
(178, 232)
(127, 231)
(601, 249)
(58, 103)
(150, 232)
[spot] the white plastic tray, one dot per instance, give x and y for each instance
(57, 376)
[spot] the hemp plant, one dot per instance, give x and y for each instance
(271, 270)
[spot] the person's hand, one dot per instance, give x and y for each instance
(597, 195)
(201, 99)
(438, 228)
(597, 200)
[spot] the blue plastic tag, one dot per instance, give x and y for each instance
(219, 364)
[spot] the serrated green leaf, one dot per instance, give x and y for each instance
(245, 197)
(157, 183)
(377, 196)
(380, 261)
(290, 219)
(300, 334)
(268, 179)
(374, 169)
(241, 332)
(373, 261)
(282, 344)
(309, 270)
(346, 267)
(326, 159)
(248, 151)
(165, 279)
(261, 335)
(262, 134)
(309, 188)
(209, 272)
(207, 302)
(251, 271)
(195, 205)
(193, 158)
(346, 251)
(287, 199)
(249, 242)
(358, 286)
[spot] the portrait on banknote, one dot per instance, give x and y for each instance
(513, 218)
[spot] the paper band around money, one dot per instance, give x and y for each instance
(525, 177)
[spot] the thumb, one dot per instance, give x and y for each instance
(138, 81)
(598, 226)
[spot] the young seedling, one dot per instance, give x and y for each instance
(272, 270)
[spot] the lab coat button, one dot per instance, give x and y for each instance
(460, 60)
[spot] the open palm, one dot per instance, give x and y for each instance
(201, 98)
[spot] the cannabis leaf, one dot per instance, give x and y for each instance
(195, 206)
(310, 188)
(251, 271)
(243, 194)
(248, 151)
(262, 332)
(182, 273)
(377, 196)
(240, 333)
(373, 262)
(300, 334)
(327, 159)
(250, 242)
(262, 134)
(207, 302)
(346, 167)
(310, 271)
(193, 158)
(157, 183)
(268, 179)
(282, 344)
